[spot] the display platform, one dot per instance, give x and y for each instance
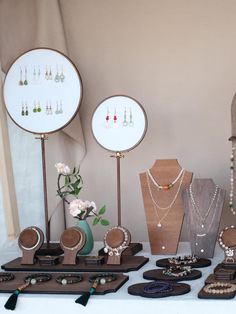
(121, 301)
(129, 263)
(52, 287)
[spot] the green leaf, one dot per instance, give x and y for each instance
(96, 221)
(102, 210)
(105, 222)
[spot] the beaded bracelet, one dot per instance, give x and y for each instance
(69, 279)
(177, 271)
(219, 288)
(35, 278)
(6, 277)
(158, 287)
(102, 278)
(183, 260)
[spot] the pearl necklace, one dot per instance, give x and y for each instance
(196, 207)
(157, 206)
(166, 186)
(231, 193)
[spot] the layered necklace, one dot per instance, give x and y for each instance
(166, 187)
(196, 206)
(231, 193)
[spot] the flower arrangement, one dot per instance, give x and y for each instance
(72, 185)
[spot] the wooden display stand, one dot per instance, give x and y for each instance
(164, 240)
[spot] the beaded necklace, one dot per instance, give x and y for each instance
(165, 186)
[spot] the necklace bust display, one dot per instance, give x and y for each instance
(203, 203)
(162, 187)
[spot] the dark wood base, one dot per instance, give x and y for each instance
(52, 287)
(157, 274)
(203, 295)
(128, 263)
(202, 262)
(133, 249)
(52, 249)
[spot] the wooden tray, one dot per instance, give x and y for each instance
(129, 263)
(202, 262)
(52, 287)
(157, 274)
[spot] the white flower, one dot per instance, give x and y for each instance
(62, 168)
(94, 206)
(75, 212)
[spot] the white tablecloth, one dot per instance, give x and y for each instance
(121, 301)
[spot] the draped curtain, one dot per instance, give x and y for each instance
(25, 25)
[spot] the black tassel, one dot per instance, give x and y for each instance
(83, 299)
(11, 302)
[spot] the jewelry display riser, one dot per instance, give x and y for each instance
(203, 295)
(225, 265)
(211, 279)
(129, 263)
(52, 287)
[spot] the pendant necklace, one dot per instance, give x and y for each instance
(165, 186)
(202, 218)
(156, 205)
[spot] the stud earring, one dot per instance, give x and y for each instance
(57, 77)
(26, 110)
(115, 120)
(22, 110)
(62, 76)
(39, 107)
(131, 123)
(25, 81)
(21, 80)
(125, 123)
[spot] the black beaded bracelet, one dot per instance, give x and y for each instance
(103, 278)
(158, 287)
(68, 279)
(35, 278)
(6, 277)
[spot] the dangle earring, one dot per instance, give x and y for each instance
(107, 119)
(39, 107)
(50, 74)
(57, 77)
(22, 110)
(35, 108)
(125, 123)
(39, 74)
(115, 120)
(62, 76)
(47, 109)
(26, 110)
(34, 76)
(50, 109)
(21, 83)
(131, 123)
(46, 74)
(57, 110)
(25, 81)
(60, 111)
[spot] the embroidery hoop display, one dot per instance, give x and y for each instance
(34, 97)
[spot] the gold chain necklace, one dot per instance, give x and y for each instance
(157, 206)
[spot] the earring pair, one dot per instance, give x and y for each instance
(110, 120)
(37, 108)
(48, 74)
(25, 81)
(24, 110)
(125, 122)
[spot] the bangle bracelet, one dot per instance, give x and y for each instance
(219, 288)
(102, 278)
(158, 287)
(183, 260)
(69, 279)
(6, 277)
(177, 271)
(35, 278)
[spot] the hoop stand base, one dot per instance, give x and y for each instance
(52, 249)
(131, 250)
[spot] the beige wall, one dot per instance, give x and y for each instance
(178, 58)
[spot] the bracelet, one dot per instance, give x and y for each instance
(177, 271)
(183, 260)
(158, 287)
(120, 248)
(6, 277)
(35, 278)
(69, 279)
(219, 288)
(102, 278)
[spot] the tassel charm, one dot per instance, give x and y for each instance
(83, 299)
(11, 302)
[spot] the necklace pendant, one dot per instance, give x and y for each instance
(159, 225)
(202, 226)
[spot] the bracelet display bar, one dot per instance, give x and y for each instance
(129, 263)
(52, 287)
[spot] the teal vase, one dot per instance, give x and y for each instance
(83, 224)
